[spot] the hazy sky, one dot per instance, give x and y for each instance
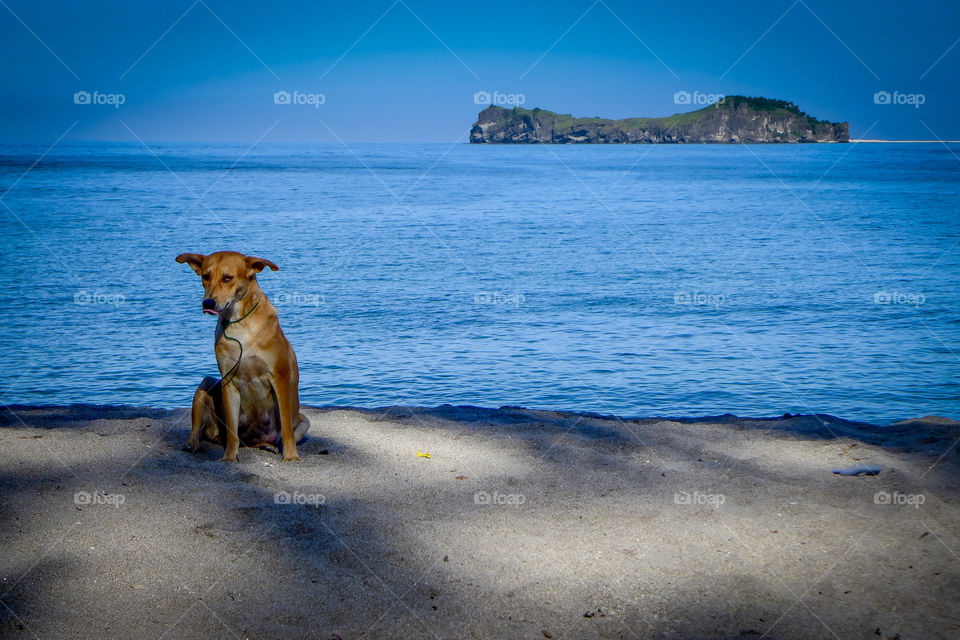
(207, 70)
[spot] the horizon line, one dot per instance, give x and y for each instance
(334, 142)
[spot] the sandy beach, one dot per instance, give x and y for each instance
(519, 524)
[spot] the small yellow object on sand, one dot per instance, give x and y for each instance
(421, 454)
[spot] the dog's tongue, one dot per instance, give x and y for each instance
(211, 312)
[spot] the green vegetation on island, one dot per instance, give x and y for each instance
(730, 120)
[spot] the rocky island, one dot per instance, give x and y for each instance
(731, 120)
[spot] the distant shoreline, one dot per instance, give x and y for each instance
(910, 141)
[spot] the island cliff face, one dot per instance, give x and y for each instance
(734, 119)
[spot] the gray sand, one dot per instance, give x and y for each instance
(595, 528)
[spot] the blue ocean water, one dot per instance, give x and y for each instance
(635, 280)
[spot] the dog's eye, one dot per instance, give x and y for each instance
(227, 278)
(205, 276)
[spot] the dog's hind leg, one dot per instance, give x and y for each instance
(299, 431)
(204, 417)
(301, 428)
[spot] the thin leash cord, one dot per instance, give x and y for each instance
(240, 357)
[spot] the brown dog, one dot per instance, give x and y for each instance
(257, 398)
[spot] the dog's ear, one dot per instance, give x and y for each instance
(192, 259)
(256, 265)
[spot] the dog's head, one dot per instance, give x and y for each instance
(227, 277)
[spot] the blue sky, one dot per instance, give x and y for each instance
(407, 71)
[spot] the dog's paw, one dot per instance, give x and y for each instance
(190, 447)
(232, 458)
(291, 457)
(268, 447)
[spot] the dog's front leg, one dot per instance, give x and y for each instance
(231, 411)
(282, 387)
